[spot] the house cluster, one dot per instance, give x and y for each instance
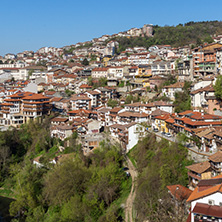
(203, 199)
(89, 117)
(205, 127)
(78, 84)
(204, 203)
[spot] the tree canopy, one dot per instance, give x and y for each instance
(218, 87)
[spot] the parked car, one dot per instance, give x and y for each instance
(168, 135)
(128, 174)
(155, 130)
(163, 133)
(125, 168)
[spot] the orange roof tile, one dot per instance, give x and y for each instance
(199, 167)
(179, 192)
(35, 97)
(196, 194)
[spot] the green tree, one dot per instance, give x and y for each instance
(218, 87)
(102, 81)
(71, 60)
(170, 80)
(182, 101)
(72, 177)
(28, 183)
(208, 39)
(112, 103)
(130, 98)
(30, 72)
(85, 62)
(90, 81)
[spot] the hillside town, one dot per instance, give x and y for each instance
(90, 89)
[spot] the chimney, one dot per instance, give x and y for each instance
(202, 112)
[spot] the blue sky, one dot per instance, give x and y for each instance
(31, 24)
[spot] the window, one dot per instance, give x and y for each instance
(211, 202)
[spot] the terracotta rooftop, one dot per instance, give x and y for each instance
(179, 192)
(102, 69)
(163, 117)
(158, 112)
(115, 109)
(85, 86)
(35, 97)
(199, 167)
(209, 88)
(20, 94)
(65, 127)
(56, 99)
(132, 114)
(203, 193)
(79, 97)
(217, 157)
(209, 210)
(59, 119)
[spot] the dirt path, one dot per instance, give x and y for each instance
(132, 195)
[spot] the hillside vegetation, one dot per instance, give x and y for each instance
(78, 189)
(159, 164)
(191, 33)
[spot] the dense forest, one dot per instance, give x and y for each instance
(191, 33)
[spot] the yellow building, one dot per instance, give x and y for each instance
(144, 71)
(105, 60)
(146, 83)
(160, 123)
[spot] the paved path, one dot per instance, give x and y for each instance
(132, 195)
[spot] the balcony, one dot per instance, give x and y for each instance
(194, 176)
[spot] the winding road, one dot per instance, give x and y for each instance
(132, 195)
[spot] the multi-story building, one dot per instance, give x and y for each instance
(95, 98)
(197, 172)
(170, 90)
(185, 69)
(161, 68)
(103, 116)
(80, 101)
(205, 59)
(35, 105)
(205, 98)
(105, 95)
(139, 58)
(128, 117)
(100, 72)
(22, 106)
(206, 201)
(128, 134)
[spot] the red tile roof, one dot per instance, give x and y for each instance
(200, 194)
(199, 167)
(163, 117)
(179, 192)
(217, 157)
(83, 86)
(102, 69)
(209, 210)
(35, 97)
